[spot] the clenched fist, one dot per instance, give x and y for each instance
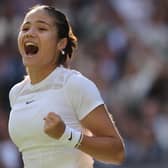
(53, 125)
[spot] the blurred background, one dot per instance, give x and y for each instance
(123, 48)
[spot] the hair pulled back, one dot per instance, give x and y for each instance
(63, 29)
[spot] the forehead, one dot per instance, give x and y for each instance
(38, 14)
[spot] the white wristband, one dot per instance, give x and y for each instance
(71, 137)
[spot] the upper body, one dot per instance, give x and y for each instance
(65, 92)
(58, 118)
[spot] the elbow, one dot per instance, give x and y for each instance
(120, 155)
(117, 157)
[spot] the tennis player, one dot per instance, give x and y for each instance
(58, 118)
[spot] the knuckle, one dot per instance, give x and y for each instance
(45, 130)
(50, 113)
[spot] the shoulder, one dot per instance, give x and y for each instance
(71, 78)
(80, 85)
(15, 90)
(83, 94)
(17, 87)
(78, 81)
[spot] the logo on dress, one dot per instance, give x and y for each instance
(70, 138)
(30, 101)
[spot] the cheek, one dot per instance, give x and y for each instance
(19, 41)
(50, 45)
(47, 52)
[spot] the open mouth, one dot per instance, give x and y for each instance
(31, 48)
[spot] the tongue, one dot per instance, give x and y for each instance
(31, 49)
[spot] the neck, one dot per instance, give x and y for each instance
(38, 74)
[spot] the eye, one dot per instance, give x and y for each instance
(42, 29)
(24, 29)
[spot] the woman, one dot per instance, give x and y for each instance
(58, 118)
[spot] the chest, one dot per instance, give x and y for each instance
(27, 115)
(38, 104)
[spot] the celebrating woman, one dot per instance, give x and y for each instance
(58, 118)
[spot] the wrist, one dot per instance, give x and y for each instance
(61, 131)
(71, 137)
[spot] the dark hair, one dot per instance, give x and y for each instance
(64, 30)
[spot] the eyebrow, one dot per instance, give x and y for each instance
(38, 21)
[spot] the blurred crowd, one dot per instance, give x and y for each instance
(123, 48)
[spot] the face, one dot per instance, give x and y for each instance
(37, 40)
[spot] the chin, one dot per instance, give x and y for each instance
(29, 64)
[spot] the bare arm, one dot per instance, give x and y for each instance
(106, 144)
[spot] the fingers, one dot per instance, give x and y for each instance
(51, 116)
(51, 119)
(53, 125)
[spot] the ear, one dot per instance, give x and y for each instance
(62, 44)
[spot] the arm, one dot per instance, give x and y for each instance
(106, 143)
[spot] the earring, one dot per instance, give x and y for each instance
(62, 52)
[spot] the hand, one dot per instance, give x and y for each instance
(53, 125)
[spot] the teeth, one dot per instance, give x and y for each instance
(29, 44)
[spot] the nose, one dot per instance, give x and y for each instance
(31, 32)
